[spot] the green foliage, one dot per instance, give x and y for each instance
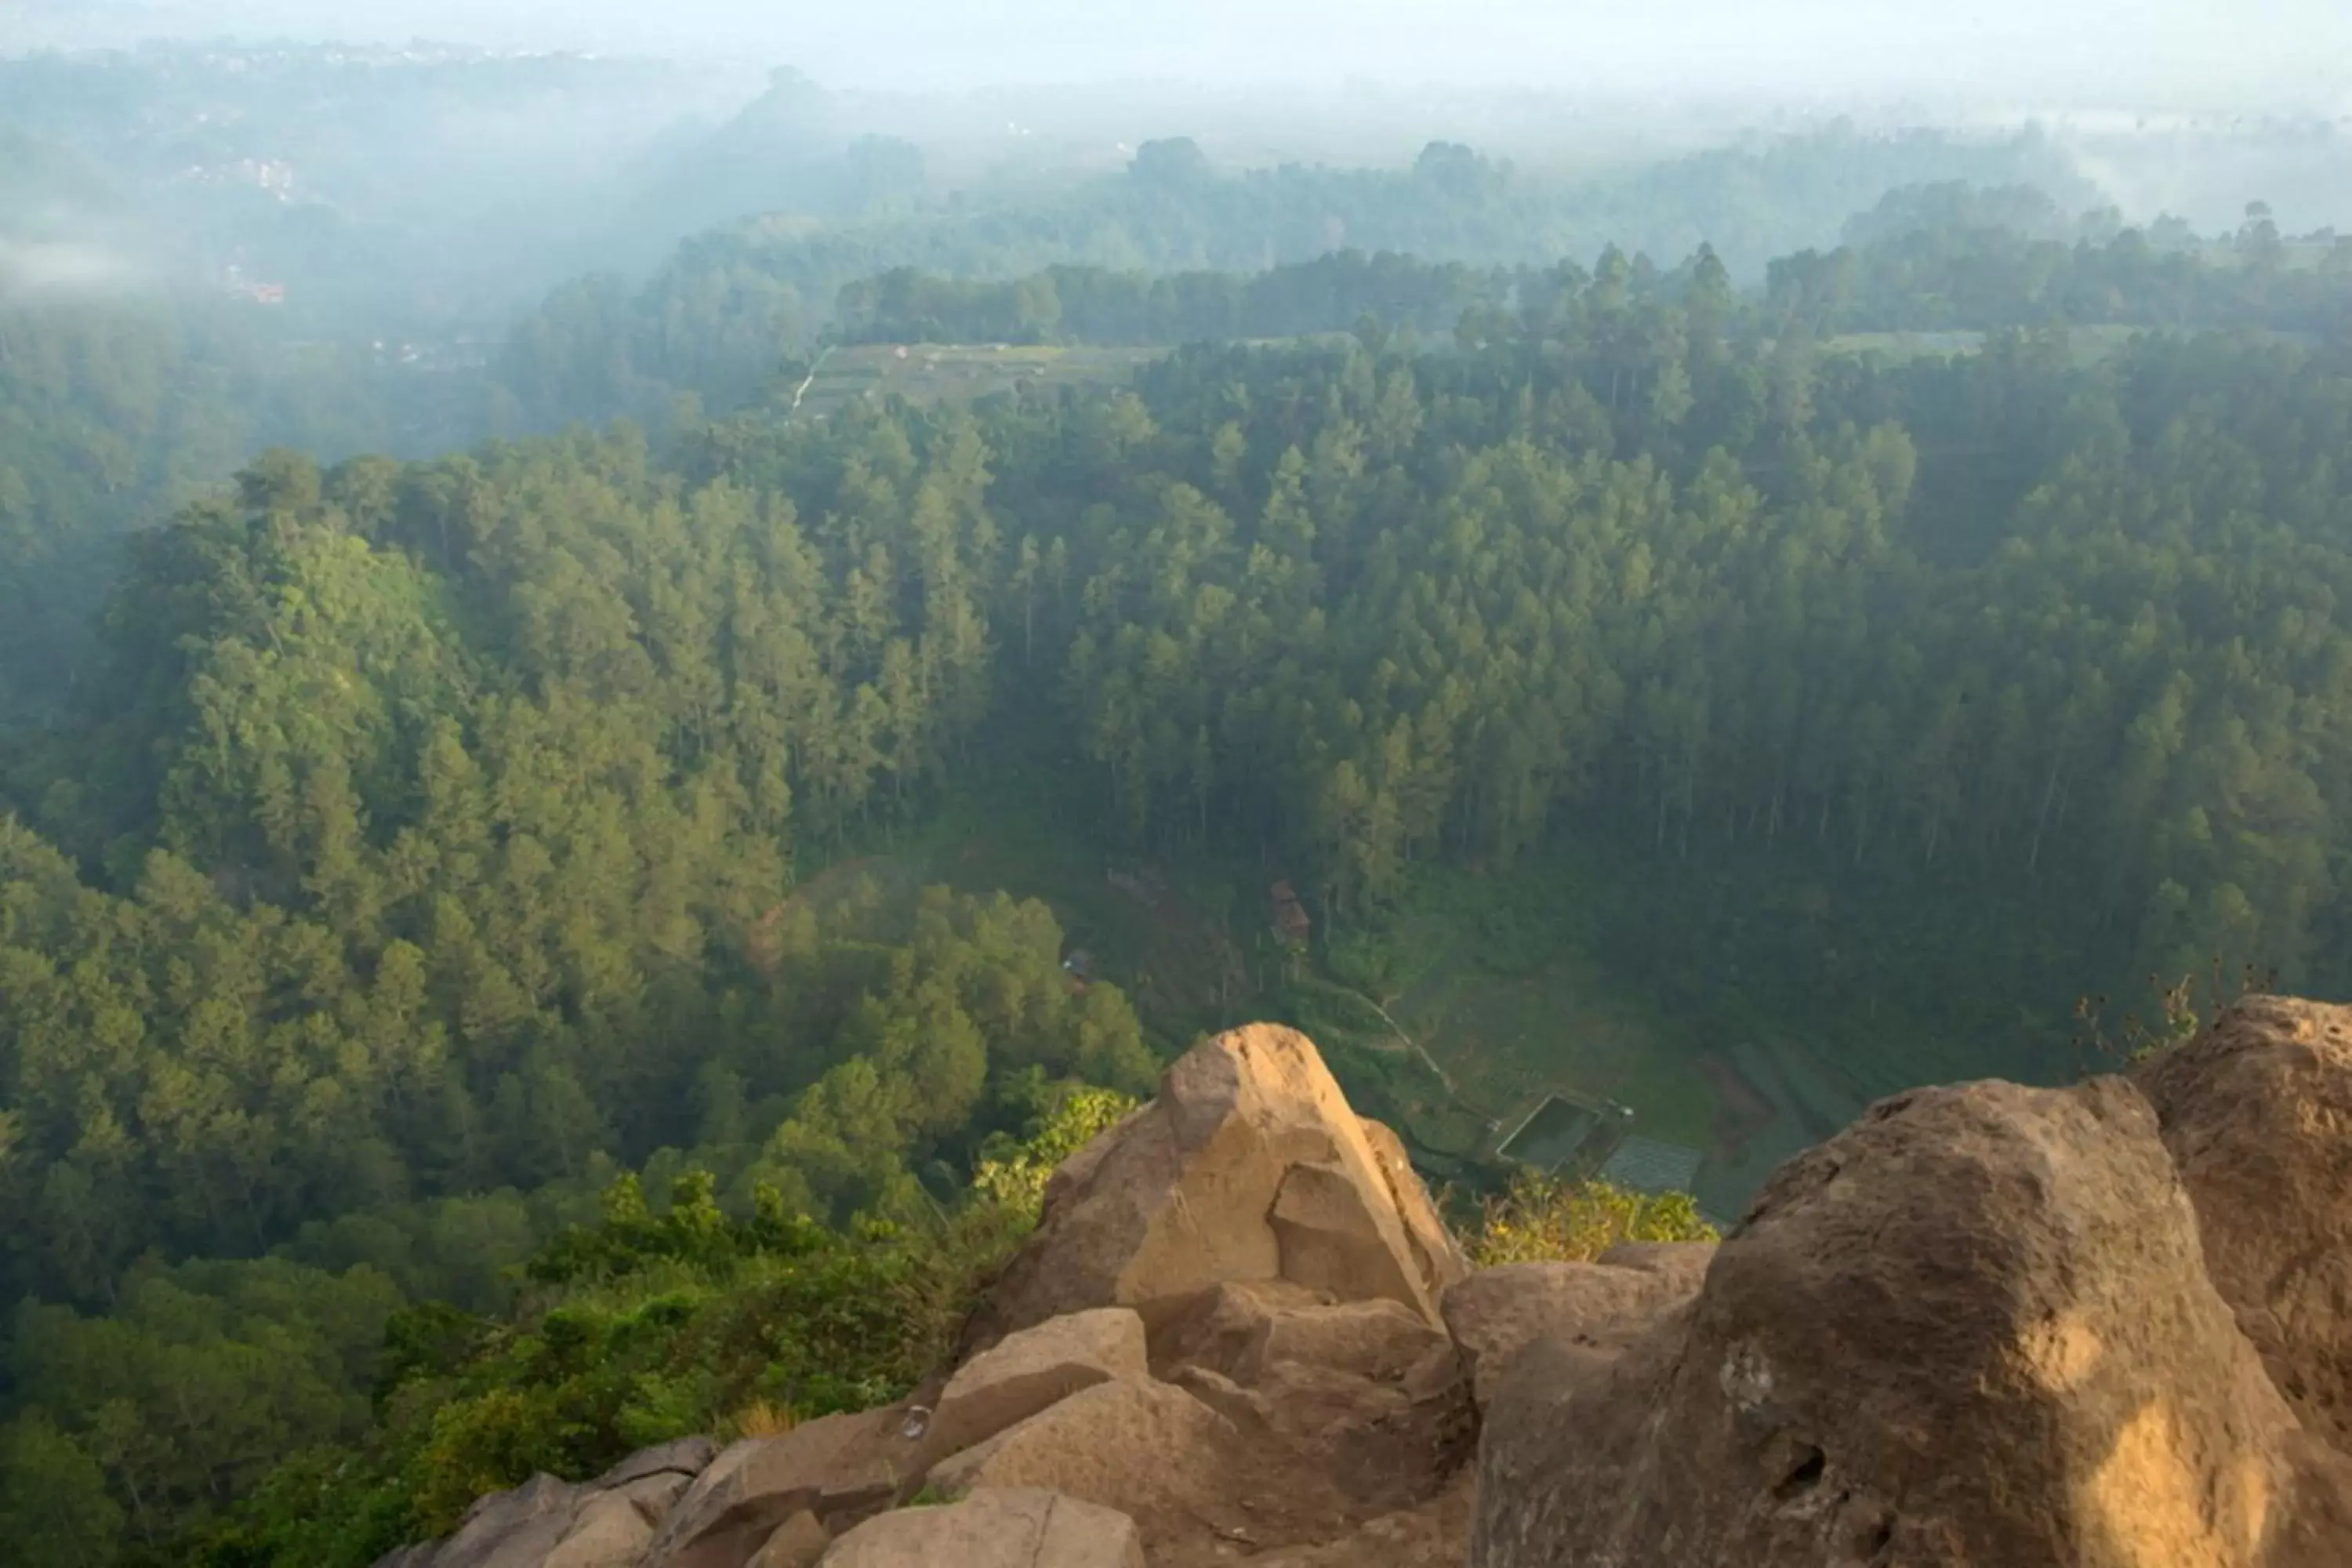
(1014, 1174)
(1550, 1219)
(638, 1329)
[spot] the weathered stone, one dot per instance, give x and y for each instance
(1141, 1446)
(685, 1456)
(1033, 1369)
(607, 1531)
(1433, 1534)
(1497, 1311)
(512, 1529)
(1973, 1331)
(1683, 1264)
(1216, 1327)
(1009, 1527)
(654, 1495)
(2257, 1113)
(798, 1543)
(1249, 1165)
(1382, 1340)
(840, 1469)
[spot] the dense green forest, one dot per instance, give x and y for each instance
(426, 830)
(463, 1006)
(714, 320)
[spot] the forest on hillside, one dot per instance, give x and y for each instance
(468, 1001)
(421, 831)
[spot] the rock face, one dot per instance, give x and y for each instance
(1497, 1312)
(839, 1469)
(1973, 1329)
(1141, 1445)
(549, 1523)
(1015, 1528)
(2258, 1115)
(1032, 1369)
(1248, 1166)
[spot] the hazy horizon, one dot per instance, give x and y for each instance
(2268, 54)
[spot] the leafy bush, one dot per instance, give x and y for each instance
(1014, 1174)
(1545, 1219)
(645, 1327)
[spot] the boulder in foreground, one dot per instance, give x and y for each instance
(1973, 1330)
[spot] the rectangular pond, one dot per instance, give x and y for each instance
(1552, 1136)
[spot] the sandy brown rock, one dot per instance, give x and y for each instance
(798, 1543)
(1497, 1312)
(607, 1531)
(840, 1469)
(1683, 1264)
(1009, 1527)
(550, 1523)
(1144, 1447)
(1379, 1340)
(513, 1529)
(2258, 1114)
(1215, 1326)
(1033, 1369)
(1973, 1331)
(1433, 1534)
(1249, 1165)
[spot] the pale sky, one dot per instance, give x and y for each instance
(2249, 53)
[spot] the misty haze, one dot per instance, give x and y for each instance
(652, 656)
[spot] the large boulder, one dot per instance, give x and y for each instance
(513, 1529)
(1016, 1527)
(1973, 1330)
(1248, 1166)
(1146, 1448)
(2258, 1114)
(839, 1469)
(798, 1543)
(1382, 1341)
(1497, 1312)
(1033, 1369)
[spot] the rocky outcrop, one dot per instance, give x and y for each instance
(1985, 1327)
(840, 1471)
(1143, 1447)
(2257, 1113)
(1031, 1371)
(1974, 1330)
(1605, 1305)
(549, 1523)
(1248, 1166)
(1015, 1528)
(798, 1543)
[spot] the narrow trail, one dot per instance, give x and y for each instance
(809, 380)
